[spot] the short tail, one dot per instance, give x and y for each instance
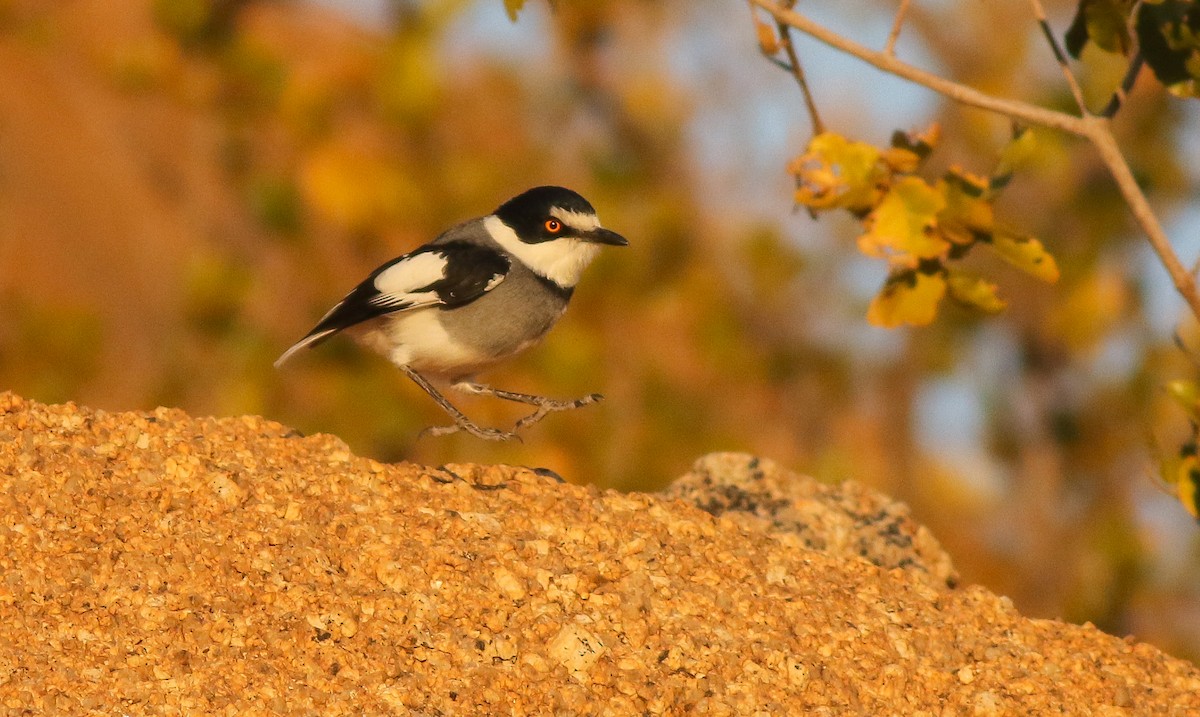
(307, 342)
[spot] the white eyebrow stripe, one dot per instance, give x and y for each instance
(576, 220)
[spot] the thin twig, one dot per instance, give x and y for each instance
(782, 39)
(1096, 129)
(1031, 114)
(1119, 94)
(1040, 14)
(785, 36)
(1100, 133)
(778, 63)
(897, 23)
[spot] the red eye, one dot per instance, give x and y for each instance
(553, 226)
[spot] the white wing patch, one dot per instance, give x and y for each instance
(398, 283)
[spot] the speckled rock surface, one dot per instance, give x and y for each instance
(842, 520)
(161, 564)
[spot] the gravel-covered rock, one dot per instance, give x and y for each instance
(843, 520)
(154, 563)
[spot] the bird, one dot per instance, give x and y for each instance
(478, 294)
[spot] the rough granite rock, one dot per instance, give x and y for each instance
(843, 520)
(161, 564)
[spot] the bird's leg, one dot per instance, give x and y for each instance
(544, 405)
(461, 422)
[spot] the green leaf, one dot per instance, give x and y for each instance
(1168, 34)
(513, 8)
(1027, 254)
(1016, 154)
(1104, 22)
(1182, 473)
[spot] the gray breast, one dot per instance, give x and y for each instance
(510, 317)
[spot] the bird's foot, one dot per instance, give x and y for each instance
(487, 434)
(546, 406)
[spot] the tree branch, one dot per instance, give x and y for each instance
(897, 23)
(770, 46)
(1101, 136)
(1096, 129)
(1061, 57)
(1031, 114)
(785, 34)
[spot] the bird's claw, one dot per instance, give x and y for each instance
(547, 406)
(487, 434)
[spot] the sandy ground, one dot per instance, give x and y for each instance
(162, 564)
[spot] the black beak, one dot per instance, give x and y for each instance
(605, 236)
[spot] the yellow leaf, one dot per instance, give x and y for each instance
(768, 41)
(909, 149)
(513, 7)
(1183, 473)
(975, 292)
(906, 221)
(1017, 153)
(907, 298)
(1187, 395)
(929, 138)
(1027, 254)
(968, 213)
(972, 184)
(900, 160)
(1185, 88)
(836, 172)
(1188, 490)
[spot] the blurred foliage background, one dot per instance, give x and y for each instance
(187, 185)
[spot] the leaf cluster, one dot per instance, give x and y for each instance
(1167, 34)
(922, 229)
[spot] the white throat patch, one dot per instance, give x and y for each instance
(559, 260)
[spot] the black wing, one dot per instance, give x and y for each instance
(450, 274)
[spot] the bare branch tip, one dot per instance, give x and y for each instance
(1060, 57)
(897, 24)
